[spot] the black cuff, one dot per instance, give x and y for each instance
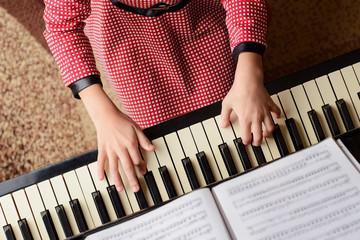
(248, 47)
(83, 83)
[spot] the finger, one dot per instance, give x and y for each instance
(257, 133)
(101, 160)
(129, 170)
(144, 141)
(137, 160)
(225, 115)
(114, 171)
(275, 109)
(268, 126)
(245, 132)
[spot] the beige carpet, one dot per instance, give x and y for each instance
(41, 123)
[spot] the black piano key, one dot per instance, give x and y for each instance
(25, 230)
(49, 225)
(330, 119)
(260, 157)
(358, 94)
(116, 202)
(345, 115)
(320, 135)
(229, 162)
(294, 134)
(164, 173)
(140, 198)
(79, 215)
(153, 188)
(9, 233)
(205, 167)
(60, 211)
(190, 173)
(352, 143)
(240, 147)
(100, 206)
(280, 141)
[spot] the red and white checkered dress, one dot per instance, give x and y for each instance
(160, 66)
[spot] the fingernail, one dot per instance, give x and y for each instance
(100, 177)
(135, 188)
(119, 189)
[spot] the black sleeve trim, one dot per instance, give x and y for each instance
(248, 47)
(83, 83)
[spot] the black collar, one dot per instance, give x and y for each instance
(154, 11)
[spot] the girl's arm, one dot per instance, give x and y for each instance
(247, 22)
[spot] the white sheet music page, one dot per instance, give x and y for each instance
(193, 216)
(313, 194)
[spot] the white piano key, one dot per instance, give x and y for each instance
(274, 151)
(24, 210)
(153, 165)
(50, 204)
(63, 197)
(190, 150)
(356, 67)
(88, 188)
(123, 195)
(101, 186)
(177, 155)
(37, 207)
(229, 136)
(73, 185)
(353, 87)
(203, 145)
(327, 94)
(165, 160)
(281, 122)
(215, 140)
(11, 214)
(3, 223)
(237, 129)
(341, 91)
(289, 107)
(131, 195)
(304, 107)
(316, 103)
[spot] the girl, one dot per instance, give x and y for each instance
(163, 59)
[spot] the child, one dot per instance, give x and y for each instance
(163, 60)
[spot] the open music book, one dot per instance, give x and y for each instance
(311, 194)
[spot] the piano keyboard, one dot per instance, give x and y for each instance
(66, 198)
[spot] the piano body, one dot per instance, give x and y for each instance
(65, 199)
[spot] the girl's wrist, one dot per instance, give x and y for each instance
(249, 70)
(97, 103)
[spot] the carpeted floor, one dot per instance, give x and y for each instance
(41, 123)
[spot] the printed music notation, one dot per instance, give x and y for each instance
(312, 194)
(307, 196)
(189, 217)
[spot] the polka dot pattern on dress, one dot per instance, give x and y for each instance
(160, 67)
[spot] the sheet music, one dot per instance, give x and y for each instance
(312, 194)
(193, 216)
